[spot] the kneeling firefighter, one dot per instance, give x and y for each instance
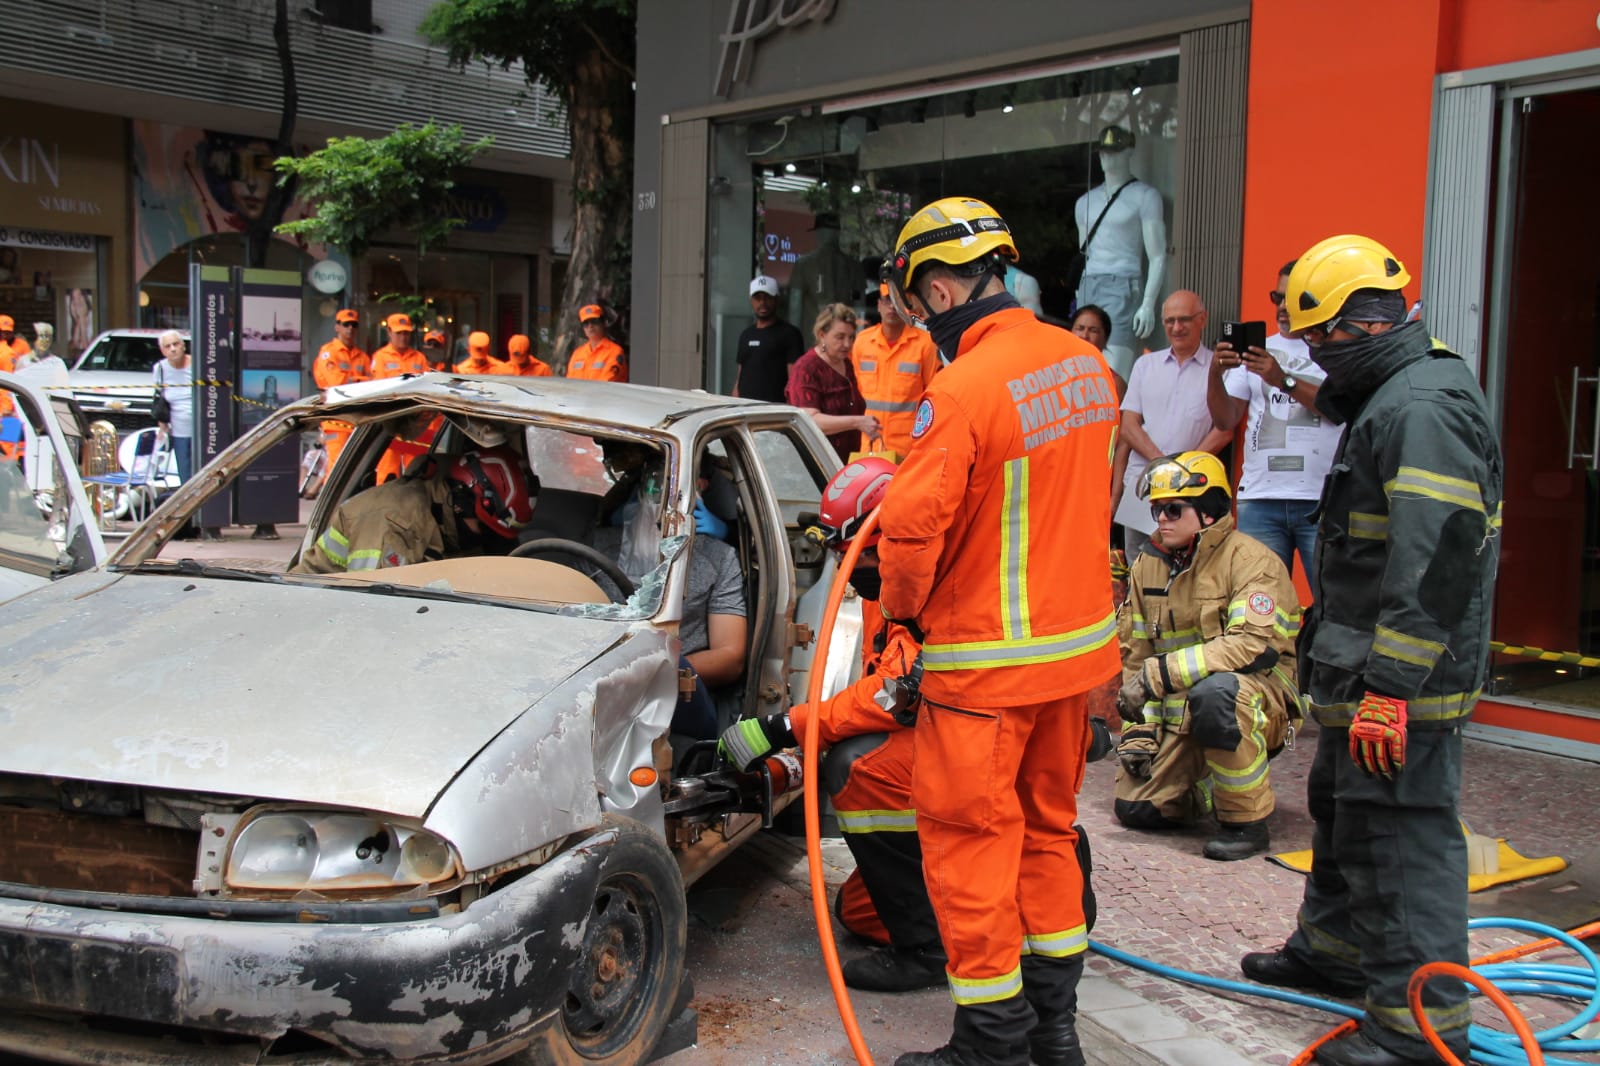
(1209, 686)
(867, 769)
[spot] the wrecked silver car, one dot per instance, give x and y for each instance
(428, 809)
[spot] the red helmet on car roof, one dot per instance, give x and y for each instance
(850, 496)
(502, 493)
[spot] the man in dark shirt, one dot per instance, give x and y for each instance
(767, 348)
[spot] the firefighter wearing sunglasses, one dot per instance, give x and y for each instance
(1209, 689)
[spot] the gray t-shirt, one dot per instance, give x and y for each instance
(715, 584)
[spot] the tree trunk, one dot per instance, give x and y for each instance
(600, 124)
(281, 195)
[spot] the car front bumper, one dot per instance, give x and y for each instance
(458, 988)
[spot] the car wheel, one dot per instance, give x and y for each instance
(622, 989)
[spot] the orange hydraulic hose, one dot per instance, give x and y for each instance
(809, 745)
(1519, 1025)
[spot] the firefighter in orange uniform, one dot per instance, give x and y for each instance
(12, 347)
(894, 364)
(522, 361)
(599, 358)
(340, 362)
(479, 360)
(1000, 509)
(392, 360)
(436, 349)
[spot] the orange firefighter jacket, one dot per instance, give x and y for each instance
(339, 364)
(995, 526)
(10, 353)
(531, 367)
(388, 363)
(482, 364)
(855, 711)
(599, 362)
(892, 378)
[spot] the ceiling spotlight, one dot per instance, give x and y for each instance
(1136, 90)
(855, 186)
(1007, 105)
(789, 168)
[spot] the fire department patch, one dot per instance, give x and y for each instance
(924, 420)
(1262, 604)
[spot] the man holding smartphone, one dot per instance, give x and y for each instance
(1288, 444)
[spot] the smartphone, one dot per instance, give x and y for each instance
(1244, 335)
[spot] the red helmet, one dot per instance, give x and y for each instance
(851, 495)
(502, 495)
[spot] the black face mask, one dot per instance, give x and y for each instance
(867, 582)
(947, 327)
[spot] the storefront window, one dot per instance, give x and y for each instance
(455, 287)
(53, 278)
(815, 199)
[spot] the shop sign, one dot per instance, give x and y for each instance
(482, 208)
(45, 240)
(30, 161)
(328, 277)
(751, 20)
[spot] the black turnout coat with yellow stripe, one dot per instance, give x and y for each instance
(1408, 535)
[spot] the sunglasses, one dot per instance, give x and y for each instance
(1277, 297)
(1171, 511)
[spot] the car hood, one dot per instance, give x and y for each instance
(306, 694)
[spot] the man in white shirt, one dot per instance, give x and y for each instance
(1288, 445)
(1163, 413)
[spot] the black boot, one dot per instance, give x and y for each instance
(1051, 989)
(893, 969)
(1287, 971)
(1142, 814)
(986, 1034)
(1238, 840)
(1357, 1049)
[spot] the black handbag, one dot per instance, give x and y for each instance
(1081, 260)
(160, 408)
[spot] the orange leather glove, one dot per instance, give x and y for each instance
(1378, 735)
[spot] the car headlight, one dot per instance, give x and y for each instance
(289, 850)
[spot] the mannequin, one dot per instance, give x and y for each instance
(1135, 225)
(1025, 287)
(822, 276)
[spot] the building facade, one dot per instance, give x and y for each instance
(138, 143)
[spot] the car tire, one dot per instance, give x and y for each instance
(624, 986)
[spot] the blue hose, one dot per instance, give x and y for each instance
(1490, 1047)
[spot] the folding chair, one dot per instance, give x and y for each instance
(136, 485)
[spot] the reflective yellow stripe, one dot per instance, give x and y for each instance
(1138, 627)
(1286, 623)
(1422, 709)
(1235, 613)
(1415, 481)
(1328, 944)
(1189, 665)
(969, 990)
(877, 821)
(1072, 941)
(1369, 526)
(1014, 552)
(992, 654)
(1177, 639)
(335, 546)
(366, 559)
(1407, 649)
(1250, 777)
(1494, 519)
(1401, 1020)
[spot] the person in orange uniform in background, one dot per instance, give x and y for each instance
(12, 346)
(998, 512)
(599, 358)
(523, 362)
(340, 362)
(392, 360)
(479, 360)
(894, 365)
(436, 349)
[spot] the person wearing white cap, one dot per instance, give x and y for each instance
(768, 347)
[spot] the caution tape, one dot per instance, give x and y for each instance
(1570, 658)
(149, 390)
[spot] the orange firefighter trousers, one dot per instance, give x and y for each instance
(996, 795)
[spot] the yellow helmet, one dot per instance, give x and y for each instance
(1323, 278)
(953, 231)
(1182, 476)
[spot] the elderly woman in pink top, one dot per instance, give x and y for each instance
(823, 383)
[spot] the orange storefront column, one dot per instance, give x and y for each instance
(1483, 33)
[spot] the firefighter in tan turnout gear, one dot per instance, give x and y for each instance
(1207, 632)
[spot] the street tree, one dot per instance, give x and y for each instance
(583, 52)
